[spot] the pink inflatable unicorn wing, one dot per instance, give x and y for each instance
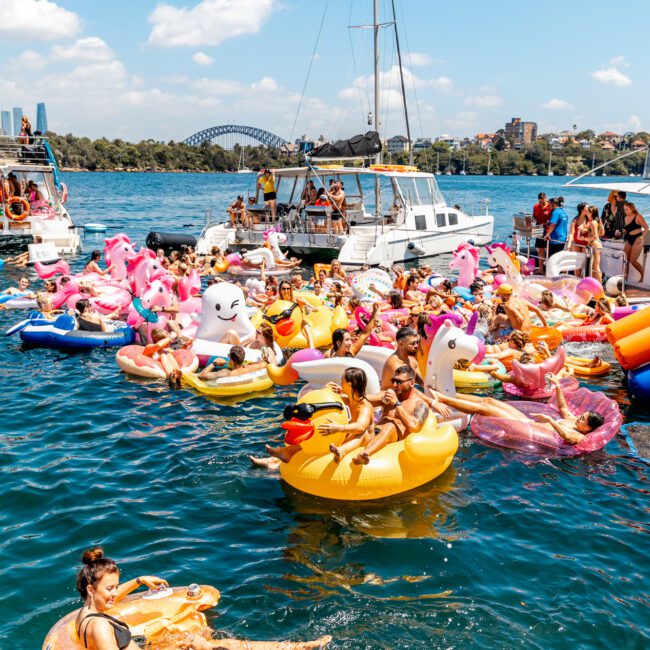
(534, 374)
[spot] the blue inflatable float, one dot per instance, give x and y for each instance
(61, 333)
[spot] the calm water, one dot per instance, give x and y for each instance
(499, 552)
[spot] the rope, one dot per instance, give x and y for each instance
(311, 62)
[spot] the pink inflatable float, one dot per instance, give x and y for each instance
(533, 438)
(132, 360)
(534, 376)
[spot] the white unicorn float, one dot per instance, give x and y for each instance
(250, 262)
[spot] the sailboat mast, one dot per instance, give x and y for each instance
(376, 51)
(401, 78)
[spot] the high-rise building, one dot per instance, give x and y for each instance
(521, 133)
(6, 123)
(41, 118)
(18, 118)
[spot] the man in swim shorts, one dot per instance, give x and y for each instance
(517, 309)
(570, 427)
(404, 412)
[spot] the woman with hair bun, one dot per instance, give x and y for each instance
(98, 583)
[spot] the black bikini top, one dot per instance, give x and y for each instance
(121, 630)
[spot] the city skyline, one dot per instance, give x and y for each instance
(220, 61)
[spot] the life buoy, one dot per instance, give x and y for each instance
(64, 193)
(12, 215)
(5, 189)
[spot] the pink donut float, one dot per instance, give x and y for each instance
(532, 438)
(132, 360)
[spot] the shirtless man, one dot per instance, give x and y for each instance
(231, 368)
(404, 412)
(518, 310)
(408, 342)
(570, 427)
(22, 288)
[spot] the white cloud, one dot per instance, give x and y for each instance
(619, 61)
(484, 101)
(463, 122)
(611, 76)
(634, 122)
(37, 20)
(557, 105)
(28, 60)
(417, 59)
(208, 23)
(91, 49)
(200, 58)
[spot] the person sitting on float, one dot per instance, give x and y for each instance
(285, 292)
(159, 351)
(337, 272)
(403, 412)
(602, 314)
(570, 427)
(90, 320)
(22, 288)
(516, 344)
(343, 345)
(411, 291)
(264, 342)
(297, 282)
(93, 264)
(44, 304)
(548, 300)
(233, 367)
(360, 429)
(98, 583)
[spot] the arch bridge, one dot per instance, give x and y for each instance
(265, 137)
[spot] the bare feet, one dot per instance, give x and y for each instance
(268, 463)
(336, 451)
(279, 452)
(362, 459)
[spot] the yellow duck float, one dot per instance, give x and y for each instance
(286, 319)
(398, 467)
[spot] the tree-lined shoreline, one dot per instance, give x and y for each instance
(80, 154)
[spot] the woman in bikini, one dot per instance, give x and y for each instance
(595, 231)
(634, 231)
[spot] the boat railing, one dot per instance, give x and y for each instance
(469, 204)
(25, 151)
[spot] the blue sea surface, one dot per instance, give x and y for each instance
(501, 551)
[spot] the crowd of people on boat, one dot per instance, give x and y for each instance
(619, 219)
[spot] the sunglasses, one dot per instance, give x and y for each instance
(305, 411)
(399, 382)
(281, 316)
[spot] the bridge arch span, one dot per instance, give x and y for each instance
(265, 137)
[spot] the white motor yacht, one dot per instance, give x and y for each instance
(26, 219)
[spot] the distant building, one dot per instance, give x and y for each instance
(6, 123)
(484, 140)
(41, 118)
(453, 142)
(607, 146)
(422, 143)
(611, 137)
(18, 117)
(397, 144)
(521, 133)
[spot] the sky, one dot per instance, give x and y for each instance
(140, 69)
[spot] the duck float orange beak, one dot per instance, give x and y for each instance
(298, 424)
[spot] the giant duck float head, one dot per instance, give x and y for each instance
(223, 308)
(303, 419)
(286, 320)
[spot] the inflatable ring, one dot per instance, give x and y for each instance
(147, 314)
(478, 379)
(235, 386)
(550, 336)
(152, 614)
(361, 284)
(12, 201)
(398, 467)
(132, 360)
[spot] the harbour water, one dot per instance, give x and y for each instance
(501, 551)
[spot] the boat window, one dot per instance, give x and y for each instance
(441, 221)
(424, 190)
(453, 219)
(46, 188)
(388, 197)
(420, 222)
(284, 188)
(407, 188)
(435, 191)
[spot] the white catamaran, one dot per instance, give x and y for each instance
(27, 217)
(392, 213)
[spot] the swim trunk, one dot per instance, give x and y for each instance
(337, 216)
(269, 196)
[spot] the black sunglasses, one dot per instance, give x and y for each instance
(282, 315)
(399, 382)
(306, 410)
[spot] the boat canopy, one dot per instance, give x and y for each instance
(359, 146)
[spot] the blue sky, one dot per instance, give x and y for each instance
(164, 70)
